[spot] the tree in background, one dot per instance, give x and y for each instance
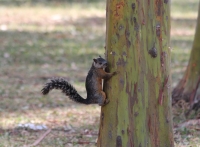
(138, 47)
(189, 86)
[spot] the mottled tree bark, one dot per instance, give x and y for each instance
(138, 47)
(189, 86)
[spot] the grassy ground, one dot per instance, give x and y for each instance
(39, 41)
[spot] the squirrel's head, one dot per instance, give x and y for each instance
(100, 62)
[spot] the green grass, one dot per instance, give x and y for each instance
(43, 40)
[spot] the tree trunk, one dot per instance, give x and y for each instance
(138, 47)
(189, 86)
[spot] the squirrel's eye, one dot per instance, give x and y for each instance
(100, 63)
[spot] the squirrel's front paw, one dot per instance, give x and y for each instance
(115, 73)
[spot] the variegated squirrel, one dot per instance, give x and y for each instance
(93, 84)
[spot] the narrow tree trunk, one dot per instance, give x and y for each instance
(138, 47)
(189, 86)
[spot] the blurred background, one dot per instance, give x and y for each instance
(40, 39)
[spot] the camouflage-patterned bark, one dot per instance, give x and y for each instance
(138, 47)
(189, 86)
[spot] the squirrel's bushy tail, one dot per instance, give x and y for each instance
(65, 87)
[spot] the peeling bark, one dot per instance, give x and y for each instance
(137, 46)
(189, 86)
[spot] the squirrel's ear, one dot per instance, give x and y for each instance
(95, 60)
(99, 56)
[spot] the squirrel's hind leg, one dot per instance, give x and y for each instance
(102, 100)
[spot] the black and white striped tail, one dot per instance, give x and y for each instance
(65, 87)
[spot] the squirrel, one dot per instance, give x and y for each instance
(93, 84)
